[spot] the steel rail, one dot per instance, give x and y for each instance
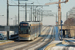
(33, 43)
(47, 42)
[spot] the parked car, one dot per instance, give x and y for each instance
(1, 36)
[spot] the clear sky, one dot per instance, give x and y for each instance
(65, 7)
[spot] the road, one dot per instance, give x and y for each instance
(41, 41)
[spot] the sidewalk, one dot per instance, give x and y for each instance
(66, 44)
(69, 41)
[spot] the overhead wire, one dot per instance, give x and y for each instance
(38, 2)
(13, 2)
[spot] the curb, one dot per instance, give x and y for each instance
(69, 43)
(52, 45)
(6, 42)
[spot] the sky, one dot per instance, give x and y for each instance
(50, 20)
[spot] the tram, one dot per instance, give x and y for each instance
(29, 30)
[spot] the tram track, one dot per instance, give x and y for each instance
(12, 44)
(31, 44)
(44, 29)
(31, 48)
(25, 44)
(41, 44)
(38, 42)
(47, 42)
(47, 34)
(35, 44)
(5, 47)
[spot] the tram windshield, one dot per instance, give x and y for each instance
(24, 29)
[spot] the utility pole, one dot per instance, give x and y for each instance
(29, 16)
(7, 19)
(31, 13)
(41, 15)
(18, 12)
(56, 19)
(25, 11)
(15, 20)
(35, 14)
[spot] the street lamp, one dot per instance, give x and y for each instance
(11, 18)
(1, 15)
(15, 20)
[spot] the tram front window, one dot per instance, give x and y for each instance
(24, 30)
